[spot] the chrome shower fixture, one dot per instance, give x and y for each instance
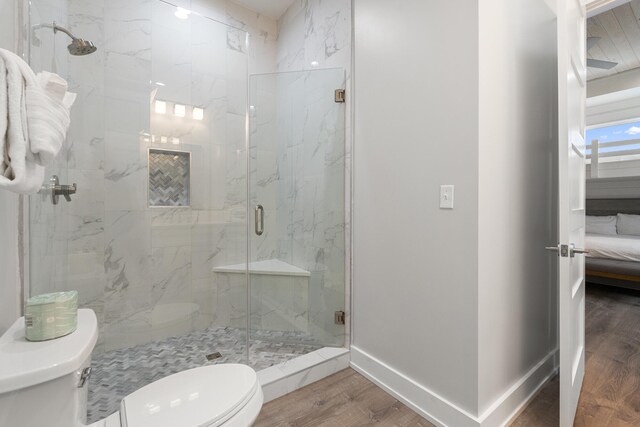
(78, 46)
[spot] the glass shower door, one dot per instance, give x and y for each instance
(296, 200)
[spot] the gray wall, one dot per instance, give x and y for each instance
(416, 126)
(9, 268)
(454, 309)
(516, 276)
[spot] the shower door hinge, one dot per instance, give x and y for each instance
(339, 317)
(340, 95)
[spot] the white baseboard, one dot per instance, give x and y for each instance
(514, 400)
(442, 412)
(425, 402)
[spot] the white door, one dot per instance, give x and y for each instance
(571, 206)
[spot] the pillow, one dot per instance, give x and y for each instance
(601, 225)
(629, 224)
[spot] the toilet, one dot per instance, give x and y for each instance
(45, 384)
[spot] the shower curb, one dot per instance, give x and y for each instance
(293, 374)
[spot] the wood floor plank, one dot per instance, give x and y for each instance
(610, 395)
(611, 389)
(591, 414)
(345, 399)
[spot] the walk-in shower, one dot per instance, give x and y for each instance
(173, 144)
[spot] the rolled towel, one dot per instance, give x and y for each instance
(56, 87)
(48, 116)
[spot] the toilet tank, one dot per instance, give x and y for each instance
(41, 382)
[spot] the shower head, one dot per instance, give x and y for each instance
(78, 47)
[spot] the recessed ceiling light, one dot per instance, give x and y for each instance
(163, 139)
(175, 140)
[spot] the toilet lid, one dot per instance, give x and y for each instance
(200, 397)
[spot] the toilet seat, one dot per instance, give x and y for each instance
(218, 395)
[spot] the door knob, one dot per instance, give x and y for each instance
(573, 250)
(562, 250)
(567, 250)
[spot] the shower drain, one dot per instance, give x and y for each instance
(214, 356)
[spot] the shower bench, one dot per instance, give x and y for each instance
(279, 296)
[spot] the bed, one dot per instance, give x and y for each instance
(613, 259)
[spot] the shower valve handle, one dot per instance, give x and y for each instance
(65, 190)
(56, 190)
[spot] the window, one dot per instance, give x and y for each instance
(613, 150)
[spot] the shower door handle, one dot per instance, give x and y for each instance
(259, 217)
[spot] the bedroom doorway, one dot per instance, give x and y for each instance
(612, 196)
(597, 236)
(612, 223)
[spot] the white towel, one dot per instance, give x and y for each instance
(34, 120)
(48, 116)
(19, 171)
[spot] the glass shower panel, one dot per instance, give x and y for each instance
(197, 169)
(52, 226)
(296, 196)
(157, 147)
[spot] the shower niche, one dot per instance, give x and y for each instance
(169, 178)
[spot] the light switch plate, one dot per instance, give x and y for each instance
(446, 197)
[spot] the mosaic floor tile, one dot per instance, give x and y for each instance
(118, 373)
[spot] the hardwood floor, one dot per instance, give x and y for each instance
(344, 399)
(611, 389)
(610, 394)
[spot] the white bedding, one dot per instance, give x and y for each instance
(625, 248)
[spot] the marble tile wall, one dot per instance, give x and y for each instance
(316, 160)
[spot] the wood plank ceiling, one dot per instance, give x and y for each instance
(619, 32)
